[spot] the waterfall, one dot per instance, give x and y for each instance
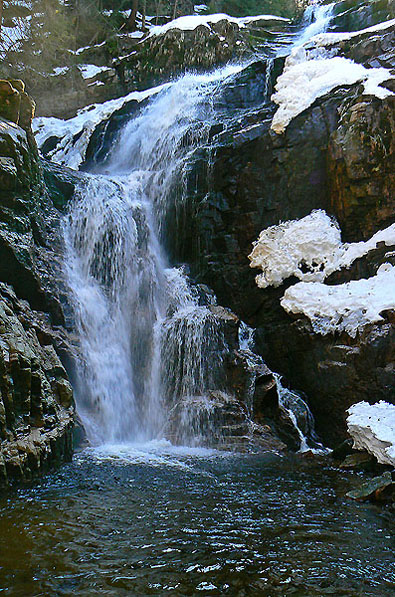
(299, 414)
(145, 339)
(316, 20)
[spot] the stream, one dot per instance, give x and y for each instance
(159, 520)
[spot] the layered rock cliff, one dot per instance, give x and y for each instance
(337, 155)
(36, 400)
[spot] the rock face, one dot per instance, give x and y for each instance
(36, 403)
(36, 400)
(160, 57)
(337, 155)
(361, 167)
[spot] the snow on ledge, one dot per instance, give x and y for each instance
(329, 39)
(309, 248)
(303, 81)
(303, 248)
(191, 22)
(71, 152)
(372, 428)
(345, 307)
(88, 71)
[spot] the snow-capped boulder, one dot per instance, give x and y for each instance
(372, 427)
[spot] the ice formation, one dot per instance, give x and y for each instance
(301, 248)
(75, 133)
(372, 427)
(304, 80)
(344, 307)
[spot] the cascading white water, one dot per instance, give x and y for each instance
(316, 20)
(144, 337)
(300, 416)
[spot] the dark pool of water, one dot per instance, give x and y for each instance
(187, 525)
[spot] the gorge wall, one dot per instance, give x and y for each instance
(336, 155)
(36, 398)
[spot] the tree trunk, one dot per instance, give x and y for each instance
(1, 15)
(133, 14)
(144, 9)
(175, 9)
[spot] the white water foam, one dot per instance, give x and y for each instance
(145, 339)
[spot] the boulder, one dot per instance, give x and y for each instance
(380, 489)
(372, 427)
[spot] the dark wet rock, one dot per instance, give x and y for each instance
(358, 461)
(36, 398)
(352, 15)
(344, 449)
(222, 421)
(27, 221)
(361, 157)
(61, 183)
(378, 489)
(36, 404)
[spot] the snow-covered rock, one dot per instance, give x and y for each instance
(344, 307)
(372, 428)
(191, 22)
(316, 66)
(311, 249)
(328, 39)
(303, 81)
(302, 248)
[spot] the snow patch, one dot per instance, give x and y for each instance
(303, 81)
(200, 8)
(372, 427)
(75, 133)
(81, 50)
(302, 248)
(59, 70)
(88, 71)
(136, 34)
(346, 307)
(311, 249)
